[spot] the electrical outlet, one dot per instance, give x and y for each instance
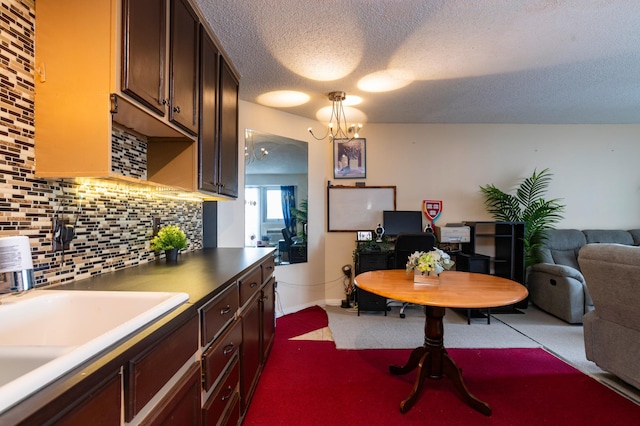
(63, 233)
(156, 225)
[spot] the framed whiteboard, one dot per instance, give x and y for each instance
(354, 208)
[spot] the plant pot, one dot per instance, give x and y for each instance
(171, 255)
(420, 278)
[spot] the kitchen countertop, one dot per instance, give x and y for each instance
(199, 273)
(202, 274)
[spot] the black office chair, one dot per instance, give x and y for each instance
(406, 244)
(288, 242)
(296, 250)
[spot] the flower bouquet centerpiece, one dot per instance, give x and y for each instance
(429, 264)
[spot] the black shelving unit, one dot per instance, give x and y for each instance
(503, 243)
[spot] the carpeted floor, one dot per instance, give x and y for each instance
(308, 382)
(372, 330)
(530, 329)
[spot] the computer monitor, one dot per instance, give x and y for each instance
(397, 221)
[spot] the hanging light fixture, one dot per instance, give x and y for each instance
(250, 154)
(338, 128)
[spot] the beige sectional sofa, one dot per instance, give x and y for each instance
(612, 328)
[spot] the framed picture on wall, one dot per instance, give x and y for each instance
(350, 158)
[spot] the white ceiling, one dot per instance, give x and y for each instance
(481, 61)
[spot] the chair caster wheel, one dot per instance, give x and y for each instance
(401, 315)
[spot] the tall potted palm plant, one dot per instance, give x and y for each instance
(301, 218)
(529, 206)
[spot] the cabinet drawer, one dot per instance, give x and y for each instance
(268, 267)
(217, 313)
(222, 400)
(372, 262)
(249, 285)
(149, 371)
(217, 357)
(233, 413)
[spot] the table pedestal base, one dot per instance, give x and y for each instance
(433, 361)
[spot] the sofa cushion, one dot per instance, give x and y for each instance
(566, 257)
(635, 234)
(562, 247)
(608, 236)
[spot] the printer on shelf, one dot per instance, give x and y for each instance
(454, 233)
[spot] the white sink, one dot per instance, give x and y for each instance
(45, 333)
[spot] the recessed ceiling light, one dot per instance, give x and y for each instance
(354, 115)
(283, 98)
(385, 81)
(351, 100)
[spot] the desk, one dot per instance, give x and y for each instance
(455, 290)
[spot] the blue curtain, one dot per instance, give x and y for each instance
(288, 203)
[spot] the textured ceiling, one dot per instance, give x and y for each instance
(460, 61)
(286, 156)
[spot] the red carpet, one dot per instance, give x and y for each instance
(313, 383)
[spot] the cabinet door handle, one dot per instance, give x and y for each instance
(114, 104)
(228, 395)
(164, 101)
(253, 284)
(176, 109)
(228, 349)
(225, 311)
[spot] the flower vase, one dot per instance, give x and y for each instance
(425, 278)
(171, 255)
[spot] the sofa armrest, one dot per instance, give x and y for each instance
(558, 270)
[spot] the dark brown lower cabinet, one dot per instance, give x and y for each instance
(104, 399)
(268, 317)
(165, 365)
(152, 369)
(258, 328)
(222, 407)
(181, 406)
(250, 359)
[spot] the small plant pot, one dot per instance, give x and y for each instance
(171, 255)
(425, 278)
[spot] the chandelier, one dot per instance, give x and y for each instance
(250, 153)
(337, 127)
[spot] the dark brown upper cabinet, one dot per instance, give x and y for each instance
(144, 63)
(140, 74)
(228, 119)
(144, 52)
(208, 142)
(183, 66)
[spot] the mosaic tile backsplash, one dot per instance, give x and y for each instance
(113, 223)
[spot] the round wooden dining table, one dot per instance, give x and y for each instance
(453, 289)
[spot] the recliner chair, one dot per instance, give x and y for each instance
(406, 244)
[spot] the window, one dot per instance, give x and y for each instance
(252, 215)
(272, 204)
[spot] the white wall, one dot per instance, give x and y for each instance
(595, 170)
(299, 285)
